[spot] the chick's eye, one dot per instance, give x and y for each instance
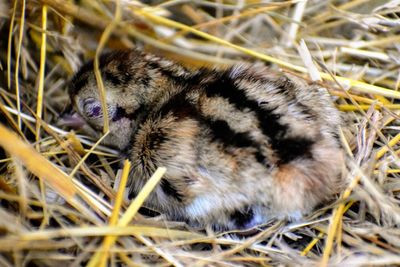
(92, 108)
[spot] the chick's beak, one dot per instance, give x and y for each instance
(72, 120)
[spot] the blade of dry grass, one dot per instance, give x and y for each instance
(103, 39)
(394, 141)
(17, 61)
(336, 221)
(294, 26)
(39, 105)
(36, 163)
(9, 49)
(106, 231)
(107, 243)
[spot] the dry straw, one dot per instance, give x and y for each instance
(62, 195)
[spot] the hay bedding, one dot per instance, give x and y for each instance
(58, 192)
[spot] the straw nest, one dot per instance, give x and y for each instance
(62, 194)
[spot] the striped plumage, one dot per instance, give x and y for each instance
(240, 145)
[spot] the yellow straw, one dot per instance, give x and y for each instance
(21, 35)
(39, 107)
(103, 39)
(114, 215)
